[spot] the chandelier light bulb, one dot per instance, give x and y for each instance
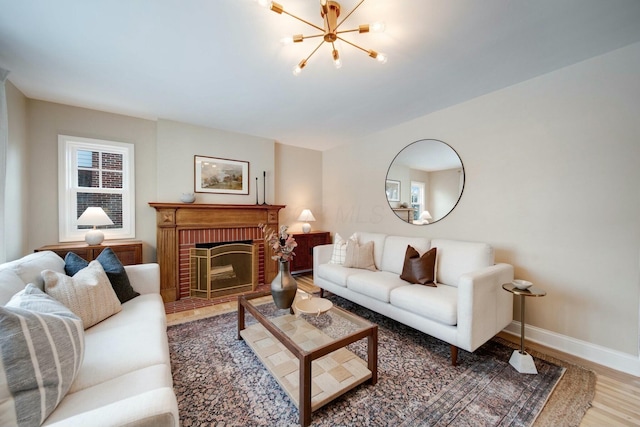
(336, 59)
(297, 70)
(286, 41)
(264, 3)
(382, 58)
(377, 27)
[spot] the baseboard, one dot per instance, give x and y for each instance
(604, 356)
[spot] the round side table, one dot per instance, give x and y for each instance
(520, 359)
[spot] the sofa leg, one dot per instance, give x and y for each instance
(321, 293)
(454, 355)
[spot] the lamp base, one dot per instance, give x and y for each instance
(306, 227)
(523, 362)
(94, 237)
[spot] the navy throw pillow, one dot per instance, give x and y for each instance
(112, 266)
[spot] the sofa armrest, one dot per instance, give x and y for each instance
(322, 254)
(484, 308)
(144, 278)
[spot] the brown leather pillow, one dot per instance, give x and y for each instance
(419, 269)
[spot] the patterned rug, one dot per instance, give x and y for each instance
(219, 381)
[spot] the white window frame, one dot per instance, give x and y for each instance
(68, 188)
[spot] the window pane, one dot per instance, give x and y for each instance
(111, 180)
(112, 161)
(110, 203)
(88, 159)
(88, 178)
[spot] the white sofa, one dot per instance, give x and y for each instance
(125, 377)
(466, 308)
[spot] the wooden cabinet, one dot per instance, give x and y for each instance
(303, 260)
(128, 251)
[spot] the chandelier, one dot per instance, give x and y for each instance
(330, 33)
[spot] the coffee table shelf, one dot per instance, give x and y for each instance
(309, 350)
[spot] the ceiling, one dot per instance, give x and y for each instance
(219, 63)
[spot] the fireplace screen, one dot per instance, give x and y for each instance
(222, 270)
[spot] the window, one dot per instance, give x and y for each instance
(100, 173)
(417, 198)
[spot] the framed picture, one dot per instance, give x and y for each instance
(224, 176)
(393, 190)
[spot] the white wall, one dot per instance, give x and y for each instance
(299, 185)
(16, 207)
(177, 145)
(45, 121)
(552, 171)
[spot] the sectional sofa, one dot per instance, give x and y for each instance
(123, 371)
(466, 308)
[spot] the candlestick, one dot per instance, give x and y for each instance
(256, 190)
(264, 187)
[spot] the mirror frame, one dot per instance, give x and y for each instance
(464, 180)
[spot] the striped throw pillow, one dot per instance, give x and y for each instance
(41, 351)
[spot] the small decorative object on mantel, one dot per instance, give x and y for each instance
(283, 286)
(188, 198)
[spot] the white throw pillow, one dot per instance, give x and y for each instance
(88, 293)
(41, 351)
(340, 248)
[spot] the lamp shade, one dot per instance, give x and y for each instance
(306, 216)
(425, 215)
(94, 216)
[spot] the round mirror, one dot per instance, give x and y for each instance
(424, 181)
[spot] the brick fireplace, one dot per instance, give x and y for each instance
(180, 226)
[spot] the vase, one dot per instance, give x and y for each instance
(283, 286)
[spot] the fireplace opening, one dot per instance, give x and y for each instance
(220, 269)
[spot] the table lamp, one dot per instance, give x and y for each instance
(306, 216)
(425, 216)
(94, 216)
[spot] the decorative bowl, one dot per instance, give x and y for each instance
(188, 198)
(314, 305)
(521, 284)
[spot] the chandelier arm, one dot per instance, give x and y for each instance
(314, 51)
(354, 45)
(349, 14)
(302, 20)
(348, 31)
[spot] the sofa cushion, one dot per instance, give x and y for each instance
(112, 352)
(111, 265)
(456, 258)
(378, 245)
(88, 293)
(359, 256)
(375, 284)
(41, 351)
(419, 269)
(29, 267)
(395, 248)
(436, 303)
(336, 274)
(10, 284)
(114, 390)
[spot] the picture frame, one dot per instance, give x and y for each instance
(221, 176)
(392, 188)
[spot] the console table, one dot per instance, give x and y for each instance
(303, 260)
(128, 251)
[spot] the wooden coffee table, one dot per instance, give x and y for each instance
(309, 350)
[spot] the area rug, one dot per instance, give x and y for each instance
(219, 381)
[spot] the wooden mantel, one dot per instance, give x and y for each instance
(172, 218)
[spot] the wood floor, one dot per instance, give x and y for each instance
(617, 398)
